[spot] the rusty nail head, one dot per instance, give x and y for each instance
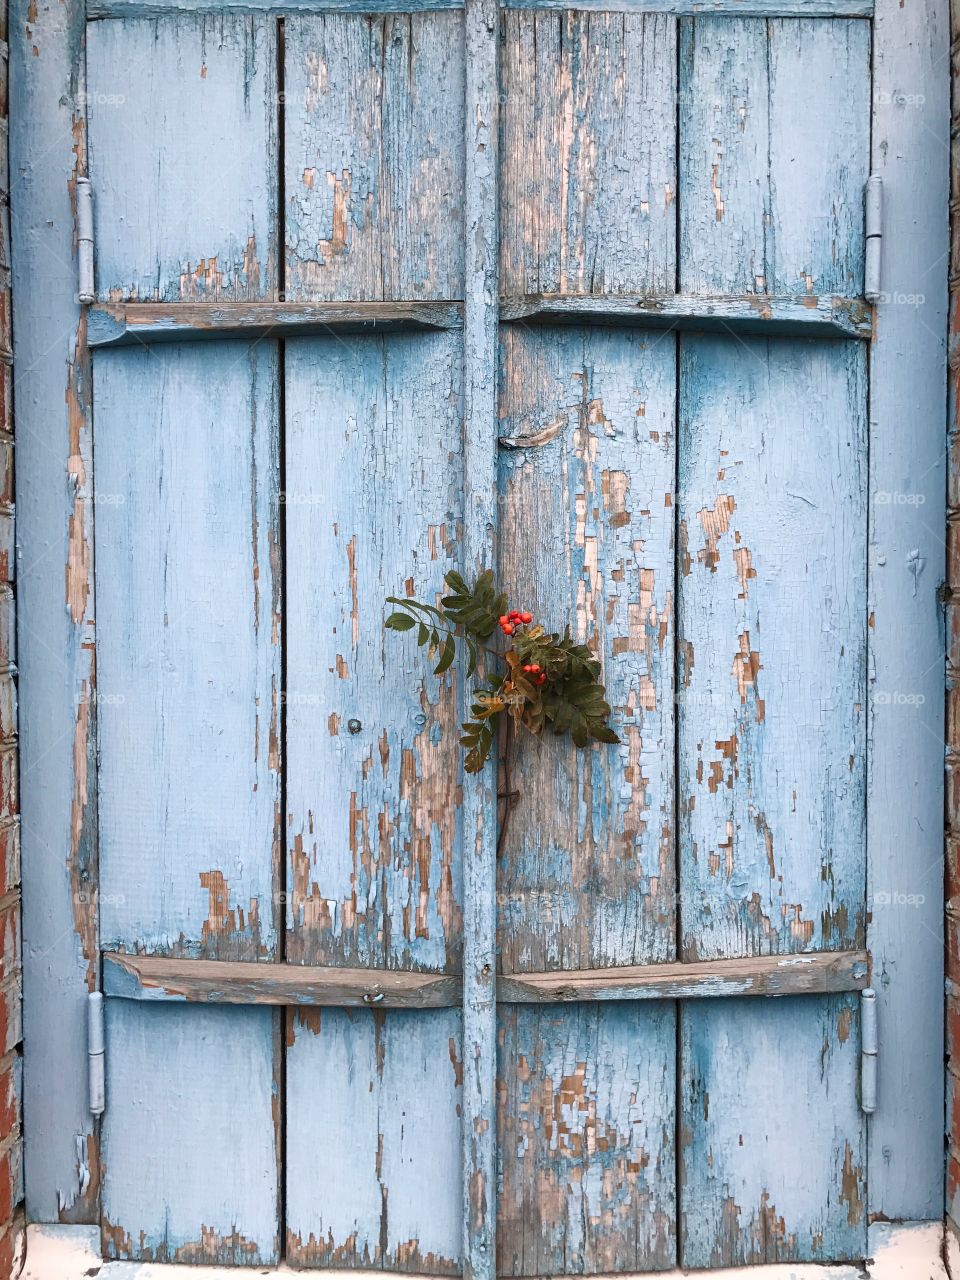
(372, 997)
(354, 726)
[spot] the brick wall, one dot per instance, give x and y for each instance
(11, 1145)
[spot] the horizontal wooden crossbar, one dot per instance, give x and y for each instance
(137, 977)
(803, 315)
(122, 324)
(737, 8)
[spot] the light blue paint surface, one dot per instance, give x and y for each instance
(587, 872)
(374, 507)
(188, 1135)
(908, 468)
(586, 1117)
(774, 152)
(188, 648)
(774, 1143)
(184, 195)
(373, 1139)
(374, 156)
(773, 646)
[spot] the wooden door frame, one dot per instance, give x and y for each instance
(56, 507)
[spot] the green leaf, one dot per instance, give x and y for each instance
(447, 656)
(423, 635)
(399, 622)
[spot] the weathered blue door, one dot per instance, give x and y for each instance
(325, 238)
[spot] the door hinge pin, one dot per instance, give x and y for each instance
(95, 1051)
(869, 1045)
(85, 290)
(873, 229)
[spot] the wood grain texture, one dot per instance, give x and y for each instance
(586, 1115)
(774, 152)
(380, 1093)
(741, 8)
(374, 156)
(588, 153)
(137, 977)
(184, 197)
(908, 474)
(738, 8)
(166, 8)
(134, 977)
(773, 1141)
(188, 649)
(772, 622)
(189, 1135)
(55, 618)
(373, 508)
(806, 316)
(587, 870)
(753, 976)
(480, 335)
(123, 324)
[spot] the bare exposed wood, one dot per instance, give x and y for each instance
(803, 315)
(758, 976)
(226, 982)
(120, 324)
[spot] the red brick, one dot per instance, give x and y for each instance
(952, 937)
(11, 1022)
(10, 936)
(11, 1176)
(11, 1083)
(13, 1248)
(953, 866)
(6, 379)
(8, 548)
(952, 793)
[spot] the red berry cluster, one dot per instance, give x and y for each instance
(510, 621)
(536, 671)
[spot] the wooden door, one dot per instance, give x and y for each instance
(382, 294)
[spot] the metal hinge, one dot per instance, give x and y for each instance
(95, 1050)
(868, 1051)
(873, 230)
(85, 284)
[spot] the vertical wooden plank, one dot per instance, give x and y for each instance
(189, 1135)
(374, 156)
(188, 649)
(772, 622)
(374, 508)
(588, 176)
(185, 198)
(586, 1116)
(387, 1085)
(774, 147)
(911, 131)
(587, 529)
(54, 614)
(481, 296)
(773, 1142)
